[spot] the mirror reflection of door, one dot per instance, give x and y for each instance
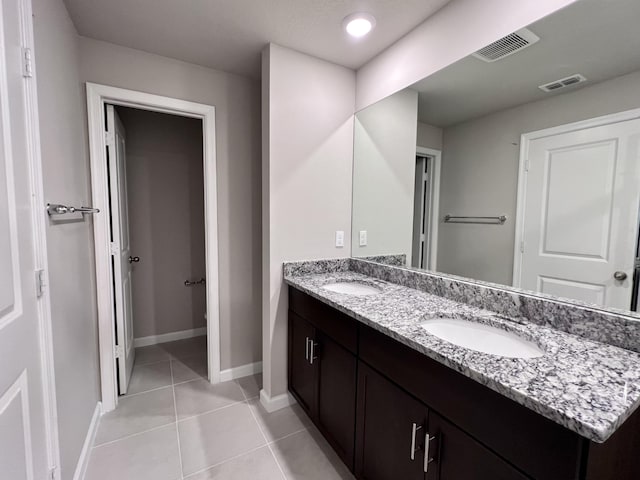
(580, 218)
(422, 212)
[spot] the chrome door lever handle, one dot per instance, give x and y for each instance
(134, 259)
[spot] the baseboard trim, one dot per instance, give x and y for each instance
(241, 371)
(89, 440)
(168, 337)
(271, 404)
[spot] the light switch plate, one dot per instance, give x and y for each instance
(363, 238)
(339, 238)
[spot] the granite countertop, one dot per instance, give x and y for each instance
(588, 387)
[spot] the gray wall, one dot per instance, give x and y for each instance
(384, 163)
(237, 102)
(429, 136)
(69, 245)
(308, 125)
(165, 189)
(480, 173)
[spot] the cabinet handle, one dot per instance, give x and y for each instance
(312, 353)
(414, 429)
(427, 459)
(306, 349)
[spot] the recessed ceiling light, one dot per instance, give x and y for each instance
(359, 24)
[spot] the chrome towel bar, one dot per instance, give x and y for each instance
(492, 220)
(57, 209)
(189, 283)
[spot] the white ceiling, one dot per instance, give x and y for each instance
(597, 38)
(230, 34)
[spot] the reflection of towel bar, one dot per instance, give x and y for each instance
(57, 209)
(497, 220)
(189, 283)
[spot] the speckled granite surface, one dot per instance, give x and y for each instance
(588, 387)
(617, 328)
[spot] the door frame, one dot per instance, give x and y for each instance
(434, 205)
(525, 142)
(97, 96)
(41, 262)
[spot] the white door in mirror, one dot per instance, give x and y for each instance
(581, 214)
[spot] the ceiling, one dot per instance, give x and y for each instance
(598, 38)
(230, 34)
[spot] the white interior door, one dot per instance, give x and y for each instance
(120, 247)
(581, 214)
(23, 434)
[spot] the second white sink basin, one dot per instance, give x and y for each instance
(352, 288)
(482, 338)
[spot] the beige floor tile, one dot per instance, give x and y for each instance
(189, 368)
(149, 377)
(187, 347)
(212, 438)
(151, 354)
(306, 455)
(147, 456)
(251, 385)
(257, 465)
(137, 413)
(280, 423)
(200, 396)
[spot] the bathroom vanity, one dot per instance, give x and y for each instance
(396, 402)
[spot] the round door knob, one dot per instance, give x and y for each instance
(620, 276)
(134, 259)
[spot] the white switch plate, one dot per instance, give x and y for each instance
(339, 238)
(363, 238)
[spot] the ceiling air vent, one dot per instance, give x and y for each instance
(512, 43)
(562, 83)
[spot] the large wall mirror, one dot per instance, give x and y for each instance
(518, 165)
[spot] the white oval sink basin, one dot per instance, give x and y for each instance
(352, 288)
(482, 338)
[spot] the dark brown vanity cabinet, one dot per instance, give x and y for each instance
(384, 407)
(322, 377)
(398, 437)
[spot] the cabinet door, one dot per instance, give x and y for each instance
(391, 429)
(457, 456)
(336, 408)
(302, 372)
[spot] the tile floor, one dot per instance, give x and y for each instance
(173, 425)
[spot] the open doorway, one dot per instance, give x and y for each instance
(153, 175)
(156, 193)
(425, 209)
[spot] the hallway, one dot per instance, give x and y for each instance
(173, 424)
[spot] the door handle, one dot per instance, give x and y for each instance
(312, 351)
(134, 259)
(306, 349)
(620, 275)
(414, 429)
(427, 458)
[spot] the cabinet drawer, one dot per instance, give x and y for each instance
(338, 326)
(497, 422)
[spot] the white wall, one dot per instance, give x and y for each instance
(384, 163)
(307, 158)
(480, 173)
(165, 191)
(458, 29)
(237, 102)
(429, 136)
(69, 244)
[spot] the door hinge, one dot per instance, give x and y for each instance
(40, 283)
(108, 138)
(522, 246)
(119, 351)
(527, 164)
(27, 62)
(113, 248)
